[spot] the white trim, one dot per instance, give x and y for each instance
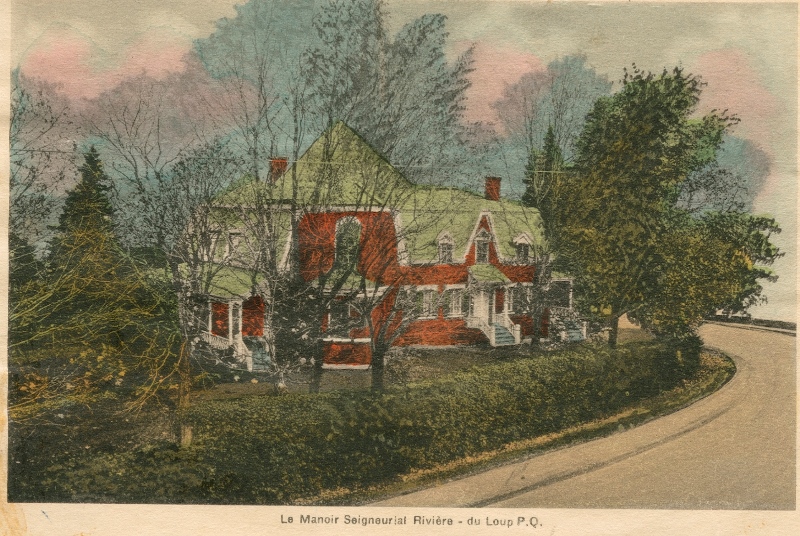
(344, 367)
(523, 238)
(359, 340)
(432, 286)
(492, 238)
(445, 237)
(360, 209)
(459, 286)
(449, 302)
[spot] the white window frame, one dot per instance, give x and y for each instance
(482, 239)
(445, 240)
(346, 220)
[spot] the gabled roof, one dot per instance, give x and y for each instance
(341, 171)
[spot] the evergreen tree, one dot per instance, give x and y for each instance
(85, 262)
(88, 205)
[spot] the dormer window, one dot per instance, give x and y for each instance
(523, 253)
(522, 243)
(482, 247)
(445, 242)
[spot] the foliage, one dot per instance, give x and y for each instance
(626, 233)
(400, 92)
(557, 99)
(716, 262)
(278, 449)
(87, 297)
(375, 438)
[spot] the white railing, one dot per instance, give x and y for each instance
(216, 342)
(479, 323)
(505, 321)
(240, 350)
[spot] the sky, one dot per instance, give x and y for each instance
(745, 52)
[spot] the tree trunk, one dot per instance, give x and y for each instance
(612, 335)
(184, 390)
(378, 368)
(316, 372)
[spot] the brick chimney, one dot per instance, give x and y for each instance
(493, 188)
(277, 167)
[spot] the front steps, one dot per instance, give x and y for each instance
(503, 337)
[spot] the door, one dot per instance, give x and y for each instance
(480, 305)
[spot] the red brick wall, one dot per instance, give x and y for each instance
(219, 319)
(253, 317)
(344, 353)
(440, 332)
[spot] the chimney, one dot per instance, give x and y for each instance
(277, 167)
(493, 188)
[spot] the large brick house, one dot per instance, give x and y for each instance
(467, 258)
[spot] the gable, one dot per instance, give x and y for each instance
(340, 171)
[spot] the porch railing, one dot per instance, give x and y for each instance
(479, 323)
(215, 341)
(505, 321)
(240, 350)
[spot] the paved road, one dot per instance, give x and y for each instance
(732, 450)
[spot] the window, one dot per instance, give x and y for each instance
(482, 251)
(482, 247)
(426, 302)
(209, 246)
(343, 317)
(523, 253)
(560, 293)
(520, 299)
(445, 253)
(445, 242)
(455, 301)
(348, 236)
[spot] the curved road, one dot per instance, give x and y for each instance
(732, 450)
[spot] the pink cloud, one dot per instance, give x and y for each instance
(495, 67)
(734, 84)
(83, 70)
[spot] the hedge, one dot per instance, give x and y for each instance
(268, 450)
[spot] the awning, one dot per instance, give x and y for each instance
(487, 273)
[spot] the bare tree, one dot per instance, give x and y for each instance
(42, 151)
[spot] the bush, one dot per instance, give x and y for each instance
(280, 449)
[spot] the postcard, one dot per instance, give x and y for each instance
(428, 266)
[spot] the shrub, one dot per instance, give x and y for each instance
(280, 449)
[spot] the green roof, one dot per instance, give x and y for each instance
(487, 273)
(230, 282)
(340, 170)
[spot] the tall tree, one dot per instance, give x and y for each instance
(637, 148)
(88, 300)
(42, 154)
(400, 92)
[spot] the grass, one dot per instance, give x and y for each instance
(88, 446)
